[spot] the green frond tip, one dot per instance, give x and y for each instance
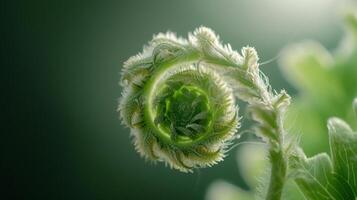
(177, 101)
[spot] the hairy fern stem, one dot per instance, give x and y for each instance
(278, 174)
(268, 111)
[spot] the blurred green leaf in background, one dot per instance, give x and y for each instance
(327, 84)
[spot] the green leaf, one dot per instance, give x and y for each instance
(314, 177)
(317, 180)
(320, 177)
(343, 144)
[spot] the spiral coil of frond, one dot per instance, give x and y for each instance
(179, 98)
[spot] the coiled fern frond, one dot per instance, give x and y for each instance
(179, 101)
(179, 108)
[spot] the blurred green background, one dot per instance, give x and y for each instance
(64, 60)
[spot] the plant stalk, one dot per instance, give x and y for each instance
(278, 174)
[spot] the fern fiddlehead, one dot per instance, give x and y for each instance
(179, 102)
(179, 111)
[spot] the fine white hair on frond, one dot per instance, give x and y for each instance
(207, 34)
(250, 59)
(168, 36)
(209, 43)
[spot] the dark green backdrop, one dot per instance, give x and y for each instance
(61, 65)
